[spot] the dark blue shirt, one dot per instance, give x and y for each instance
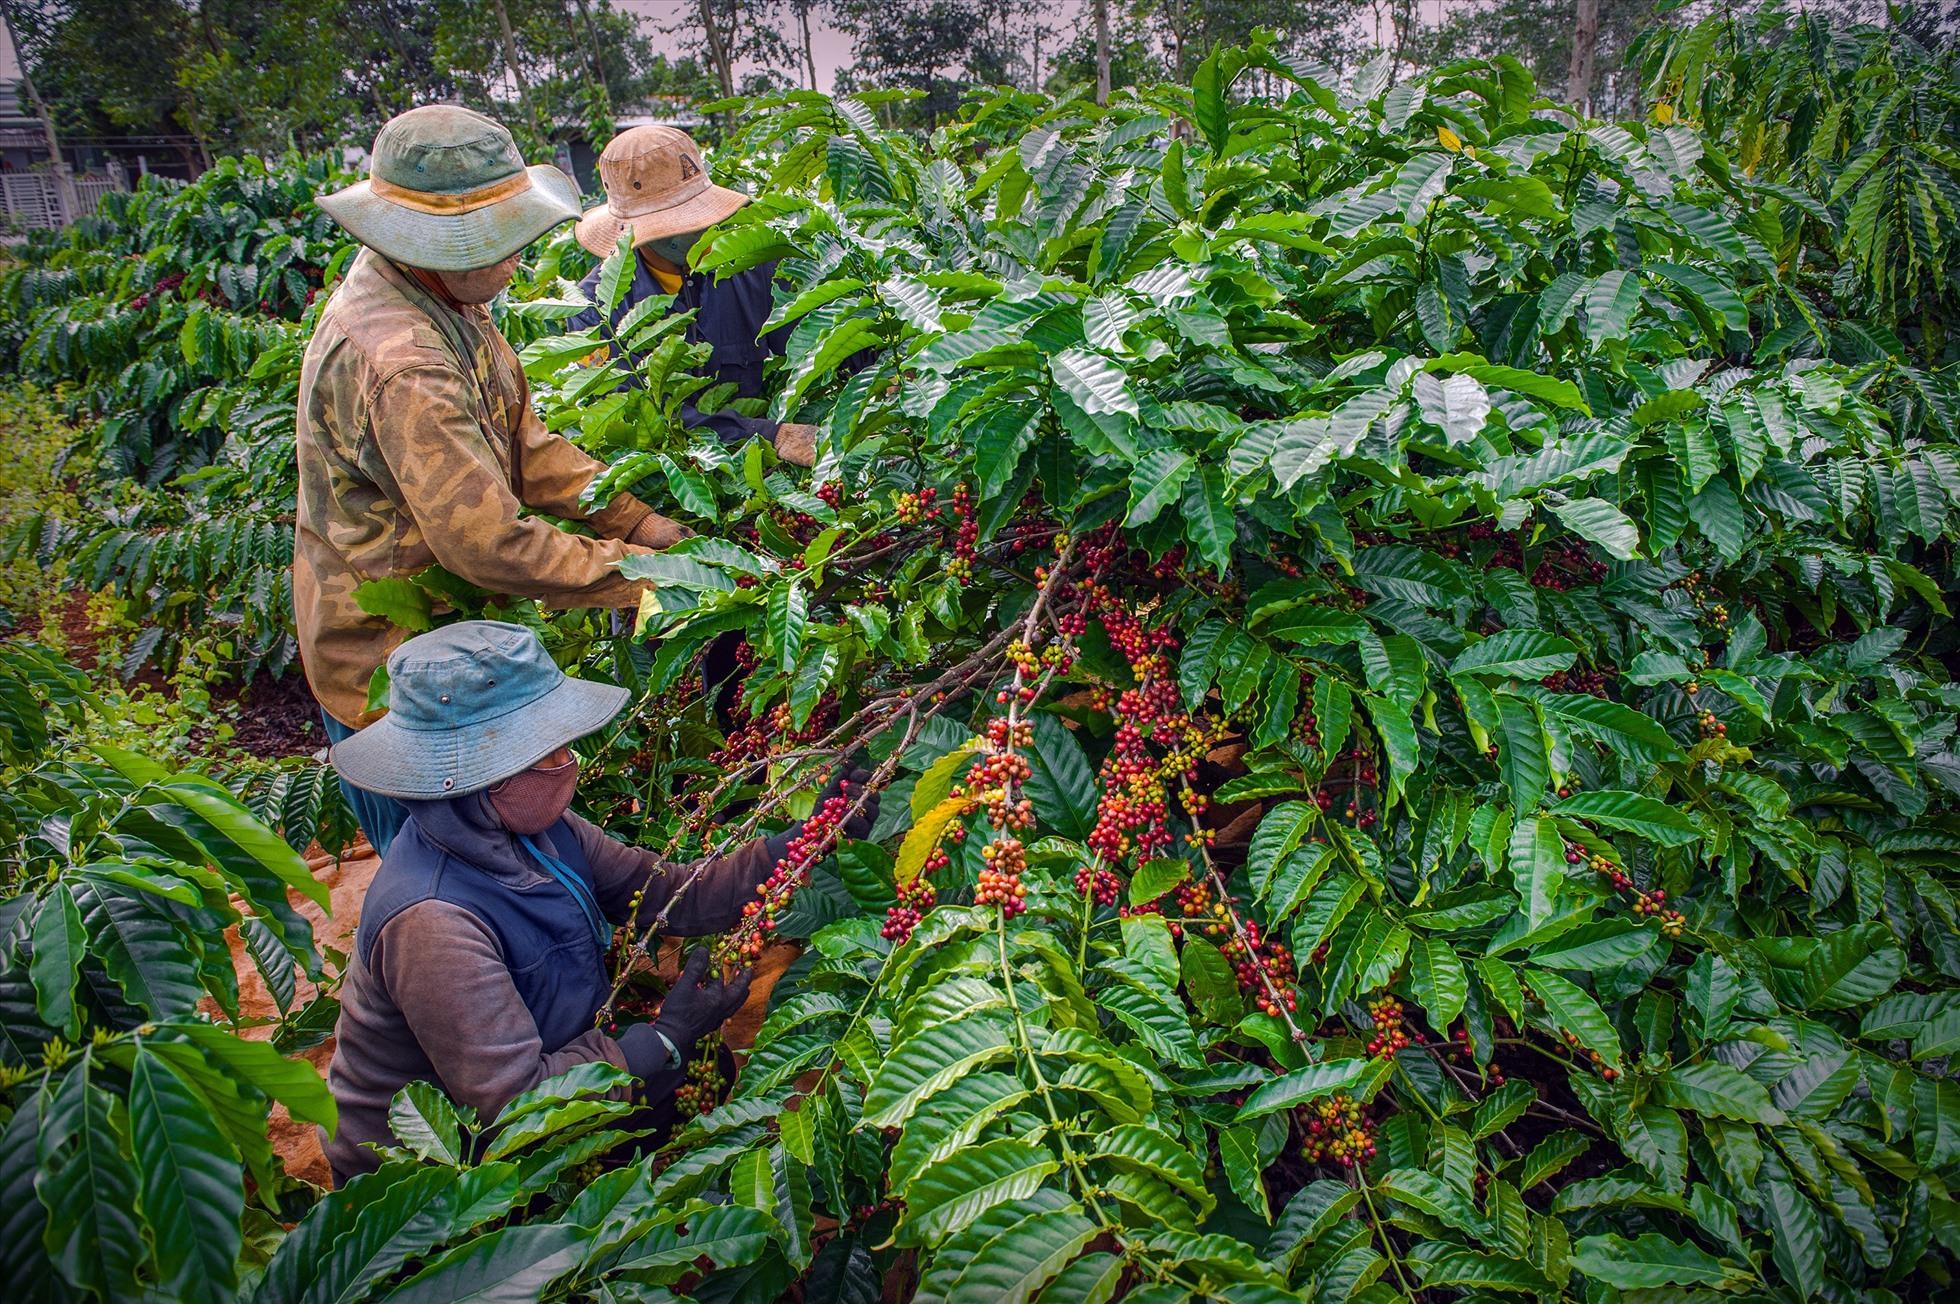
(728, 317)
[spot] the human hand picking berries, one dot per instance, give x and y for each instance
(849, 784)
(696, 1006)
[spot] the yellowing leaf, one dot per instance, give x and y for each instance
(926, 833)
(1664, 113)
(1449, 140)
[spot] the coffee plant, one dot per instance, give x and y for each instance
(176, 316)
(134, 1160)
(1405, 641)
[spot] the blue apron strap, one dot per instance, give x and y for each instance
(558, 869)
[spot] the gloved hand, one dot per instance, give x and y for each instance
(796, 443)
(849, 784)
(845, 783)
(657, 532)
(692, 1009)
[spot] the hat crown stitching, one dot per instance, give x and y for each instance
(444, 149)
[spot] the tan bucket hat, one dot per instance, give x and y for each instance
(656, 185)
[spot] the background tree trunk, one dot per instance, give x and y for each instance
(1102, 51)
(809, 54)
(509, 40)
(718, 47)
(1585, 46)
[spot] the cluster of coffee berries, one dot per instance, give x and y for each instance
(1021, 538)
(1654, 905)
(1000, 876)
(1363, 817)
(1577, 681)
(1306, 725)
(916, 508)
(1362, 766)
(1509, 551)
(965, 536)
(1170, 565)
(750, 739)
(1102, 884)
(1592, 1057)
(1463, 1047)
(800, 527)
(1391, 1028)
(864, 1213)
(1710, 726)
(1337, 1132)
(1576, 854)
(1565, 565)
(1199, 910)
(1156, 742)
(702, 1089)
(1263, 966)
(1345, 597)
(1099, 548)
(914, 900)
(1001, 769)
(812, 843)
(1013, 814)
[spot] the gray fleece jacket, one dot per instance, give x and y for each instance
(433, 999)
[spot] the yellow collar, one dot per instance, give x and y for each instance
(668, 280)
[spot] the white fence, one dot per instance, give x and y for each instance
(44, 200)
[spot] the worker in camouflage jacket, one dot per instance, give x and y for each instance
(418, 446)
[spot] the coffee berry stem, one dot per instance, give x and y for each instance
(1273, 995)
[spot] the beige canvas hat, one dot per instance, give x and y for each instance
(656, 185)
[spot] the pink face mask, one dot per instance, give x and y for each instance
(532, 801)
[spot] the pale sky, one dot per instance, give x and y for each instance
(831, 47)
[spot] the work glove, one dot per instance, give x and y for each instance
(694, 1008)
(657, 532)
(796, 443)
(848, 784)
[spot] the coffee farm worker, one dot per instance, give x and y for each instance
(659, 199)
(479, 963)
(417, 442)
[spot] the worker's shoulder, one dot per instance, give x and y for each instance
(372, 325)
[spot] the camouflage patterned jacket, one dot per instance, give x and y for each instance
(418, 447)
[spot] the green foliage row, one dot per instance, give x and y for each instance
(133, 1117)
(174, 320)
(1346, 352)
(1549, 517)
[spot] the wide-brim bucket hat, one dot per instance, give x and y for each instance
(448, 191)
(470, 704)
(656, 186)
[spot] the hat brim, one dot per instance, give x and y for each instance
(455, 242)
(600, 230)
(429, 764)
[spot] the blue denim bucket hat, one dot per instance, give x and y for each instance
(448, 191)
(468, 705)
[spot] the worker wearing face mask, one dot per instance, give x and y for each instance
(659, 199)
(480, 961)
